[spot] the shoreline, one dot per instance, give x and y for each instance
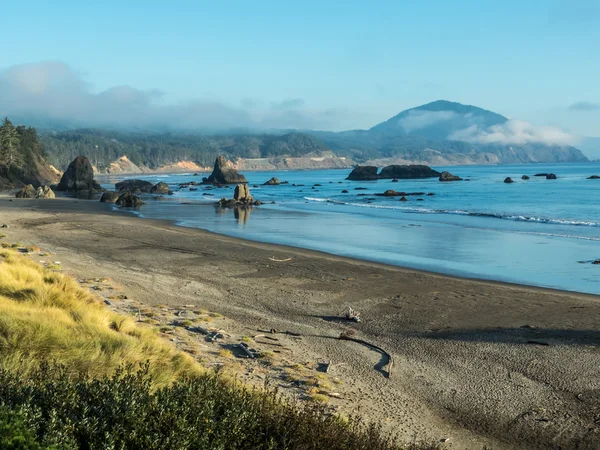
(464, 349)
(104, 208)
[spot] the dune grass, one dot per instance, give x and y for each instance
(73, 374)
(45, 315)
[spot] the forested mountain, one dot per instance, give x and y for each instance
(445, 132)
(154, 150)
(22, 158)
(437, 133)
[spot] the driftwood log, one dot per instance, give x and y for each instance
(390, 361)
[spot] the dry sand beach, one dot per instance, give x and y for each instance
(475, 363)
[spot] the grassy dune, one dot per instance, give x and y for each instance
(75, 375)
(45, 315)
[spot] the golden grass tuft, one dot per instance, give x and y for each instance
(46, 315)
(225, 353)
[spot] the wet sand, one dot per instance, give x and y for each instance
(480, 363)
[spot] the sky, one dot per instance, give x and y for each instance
(324, 64)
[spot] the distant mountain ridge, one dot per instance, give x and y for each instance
(438, 133)
(444, 133)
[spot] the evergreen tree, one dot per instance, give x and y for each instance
(10, 153)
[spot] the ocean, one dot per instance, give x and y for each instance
(537, 232)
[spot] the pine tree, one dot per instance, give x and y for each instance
(10, 153)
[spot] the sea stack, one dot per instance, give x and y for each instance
(223, 174)
(79, 178)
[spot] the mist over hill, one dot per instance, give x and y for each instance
(438, 133)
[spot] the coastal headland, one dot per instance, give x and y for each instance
(475, 363)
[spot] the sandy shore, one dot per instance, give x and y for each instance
(477, 362)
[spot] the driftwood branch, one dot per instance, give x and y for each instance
(390, 361)
(280, 260)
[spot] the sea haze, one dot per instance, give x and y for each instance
(537, 232)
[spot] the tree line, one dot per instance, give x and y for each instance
(154, 150)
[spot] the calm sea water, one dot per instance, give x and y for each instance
(538, 232)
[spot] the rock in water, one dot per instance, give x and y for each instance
(393, 172)
(127, 199)
(26, 192)
(408, 172)
(273, 182)
(109, 197)
(524, 177)
(223, 174)
(160, 188)
(79, 178)
(44, 192)
(550, 176)
(403, 199)
(242, 194)
(134, 185)
(594, 177)
(447, 176)
(508, 180)
(363, 173)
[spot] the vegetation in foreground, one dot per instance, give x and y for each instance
(75, 375)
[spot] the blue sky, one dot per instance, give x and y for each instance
(326, 64)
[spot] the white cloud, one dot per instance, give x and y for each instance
(514, 132)
(54, 90)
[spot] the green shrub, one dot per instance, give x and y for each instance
(14, 433)
(124, 411)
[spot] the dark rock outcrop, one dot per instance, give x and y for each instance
(594, 177)
(403, 199)
(79, 178)
(392, 193)
(508, 180)
(363, 173)
(222, 174)
(134, 186)
(44, 192)
(130, 200)
(394, 172)
(410, 172)
(550, 176)
(524, 177)
(109, 197)
(447, 176)
(541, 175)
(344, 191)
(160, 188)
(26, 192)
(273, 182)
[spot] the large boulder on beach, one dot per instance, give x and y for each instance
(447, 176)
(223, 174)
(79, 178)
(361, 173)
(508, 180)
(160, 188)
(273, 182)
(44, 192)
(242, 194)
(27, 191)
(130, 200)
(134, 185)
(110, 197)
(408, 172)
